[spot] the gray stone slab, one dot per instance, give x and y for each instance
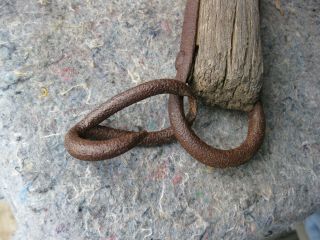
(59, 59)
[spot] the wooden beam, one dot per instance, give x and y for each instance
(228, 66)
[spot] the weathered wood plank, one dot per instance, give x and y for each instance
(228, 66)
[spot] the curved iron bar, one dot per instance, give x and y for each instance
(185, 135)
(78, 144)
(87, 140)
(209, 155)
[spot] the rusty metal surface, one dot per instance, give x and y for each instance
(107, 143)
(89, 141)
(157, 192)
(216, 157)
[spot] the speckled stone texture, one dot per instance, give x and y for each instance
(59, 59)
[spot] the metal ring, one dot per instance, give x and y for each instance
(209, 155)
(122, 141)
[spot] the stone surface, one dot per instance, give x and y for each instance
(59, 59)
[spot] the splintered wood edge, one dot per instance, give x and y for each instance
(228, 66)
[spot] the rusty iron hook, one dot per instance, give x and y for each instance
(87, 140)
(209, 155)
(185, 135)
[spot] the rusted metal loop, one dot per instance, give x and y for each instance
(89, 141)
(209, 155)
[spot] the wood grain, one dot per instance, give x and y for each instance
(228, 65)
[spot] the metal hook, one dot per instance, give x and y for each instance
(102, 148)
(185, 135)
(209, 155)
(87, 140)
